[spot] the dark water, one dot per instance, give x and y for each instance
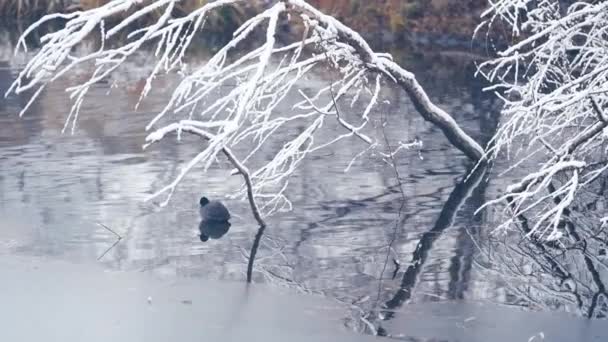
(56, 192)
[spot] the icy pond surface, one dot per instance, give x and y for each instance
(57, 191)
(56, 301)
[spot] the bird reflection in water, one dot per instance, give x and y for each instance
(213, 229)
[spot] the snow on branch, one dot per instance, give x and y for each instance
(554, 82)
(239, 98)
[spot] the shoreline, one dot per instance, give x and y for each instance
(446, 23)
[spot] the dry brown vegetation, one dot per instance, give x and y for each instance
(458, 17)
(436, 16)
(36, 8)
(27, 8)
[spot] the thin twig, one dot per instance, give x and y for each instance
(243, 171)
(403, 201)
(109, 249)
(118, 239)
(110, 230)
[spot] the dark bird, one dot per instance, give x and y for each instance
(214, 219)
(213, 210)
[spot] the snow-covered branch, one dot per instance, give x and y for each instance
(243, 94)
(405, 79)
(553, 81)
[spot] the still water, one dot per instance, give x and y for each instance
(345, 238)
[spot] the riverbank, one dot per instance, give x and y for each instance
(439, 22)
(401, 19)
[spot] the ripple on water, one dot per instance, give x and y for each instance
(57, 188)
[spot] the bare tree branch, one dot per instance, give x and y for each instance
(238, 121)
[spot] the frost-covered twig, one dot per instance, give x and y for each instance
(553, 82)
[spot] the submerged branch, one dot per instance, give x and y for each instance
(254, 251)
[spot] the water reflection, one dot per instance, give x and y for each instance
(213, 229)
(54, 189)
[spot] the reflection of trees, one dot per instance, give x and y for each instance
(254, 251)
(466, 196)
(462, 191)
(567, 273)
(461, 263)
(17, 132)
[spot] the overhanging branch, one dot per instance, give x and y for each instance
(243, 171)
(405, 79)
